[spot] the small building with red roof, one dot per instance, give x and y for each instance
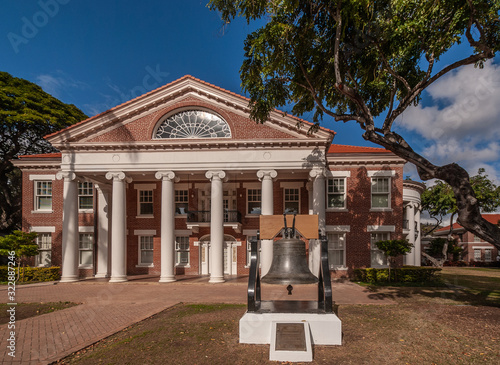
(173, 183)
(475, 250)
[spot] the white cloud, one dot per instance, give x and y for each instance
(469, 106)
(59, 84)
(463, 123)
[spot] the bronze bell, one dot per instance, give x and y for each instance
(289, 264)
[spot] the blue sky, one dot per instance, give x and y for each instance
(99, 53)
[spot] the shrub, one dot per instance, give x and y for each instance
(33, 273)
(407, 274)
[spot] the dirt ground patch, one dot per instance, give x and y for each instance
(419, 329)
(28, 310)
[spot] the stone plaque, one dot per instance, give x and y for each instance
(290, 337)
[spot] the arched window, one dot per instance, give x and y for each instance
(193, 124)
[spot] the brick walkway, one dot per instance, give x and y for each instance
(108, 308)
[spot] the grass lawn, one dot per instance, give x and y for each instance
(482, 283)
(455, 324)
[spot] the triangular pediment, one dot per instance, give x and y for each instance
(135, 123)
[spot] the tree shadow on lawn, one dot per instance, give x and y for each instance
(445, 292)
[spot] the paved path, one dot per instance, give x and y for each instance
(108, 308)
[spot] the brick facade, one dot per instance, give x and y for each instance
(284, 140)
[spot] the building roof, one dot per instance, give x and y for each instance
(166, 86)
(338, 148)
(492, 218)
(42, 155)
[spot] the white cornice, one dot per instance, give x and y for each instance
(194, 144)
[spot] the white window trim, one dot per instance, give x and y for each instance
(344, 233)
(379, 229)
(145, 234)
(85, 229)
(139, 215)
(333, 209)
(389, 194)
(338, 229)
(337, 174)
(37, 257)
(184, 215)
(42, 177)
(491, 254)
(250, 215)
(45, 229)
(86, 210)
(284, 201)
(381, 173)
(188, 265)
(35, 182)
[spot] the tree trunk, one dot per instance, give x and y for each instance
(435, 262)
(469, 214)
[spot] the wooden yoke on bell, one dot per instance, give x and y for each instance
(306, 225)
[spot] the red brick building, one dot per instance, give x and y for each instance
(474, 248)
(173, 182)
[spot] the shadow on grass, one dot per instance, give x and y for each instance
(459, 290)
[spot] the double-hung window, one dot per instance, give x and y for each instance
(146, 250)
(44, 242)
(336, 250)
(378, 258)
(43, 195)
(254, 199)
(182, 251)
(292, 200)
(86, 249)
(85, 196)
(381, 192)
(336, 193)
(181, 201)
(145, 202)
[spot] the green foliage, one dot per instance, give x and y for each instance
(439, 200)
(27, 113)
(436, 247)
(21, 243)
(310, 51)
(394, 248)
(28, 274)
(407, 274)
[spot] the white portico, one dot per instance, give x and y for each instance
(184, 161)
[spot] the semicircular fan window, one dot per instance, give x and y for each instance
(193, 124)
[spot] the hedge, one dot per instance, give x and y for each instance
(407, 274)
(33, 273)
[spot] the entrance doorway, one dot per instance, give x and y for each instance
(230, 255)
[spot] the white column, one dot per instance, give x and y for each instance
(216, 263)
(103, 229)
(70, 227)
(167, 252)
(118, 228)
(319, 208)
(267, 208)
(410, 216)
(418, 245)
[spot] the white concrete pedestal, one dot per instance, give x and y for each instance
(256, 328)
